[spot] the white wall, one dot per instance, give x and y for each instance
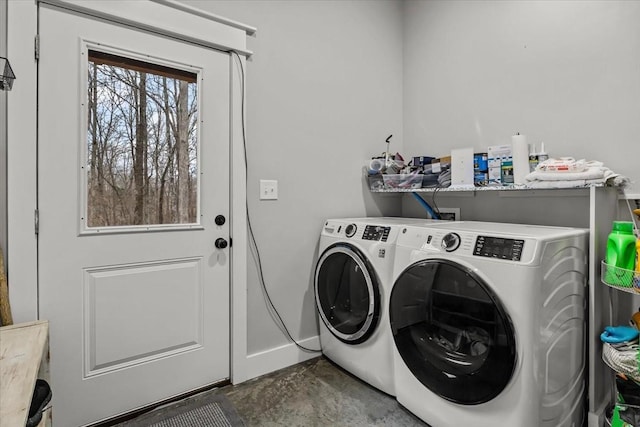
(563, 72)
(324, 90)
(331, 79)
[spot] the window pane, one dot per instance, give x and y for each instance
(142, 146)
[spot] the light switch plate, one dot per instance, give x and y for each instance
(268, 189)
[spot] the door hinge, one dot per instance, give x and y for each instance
(36, 220)
(36, 47)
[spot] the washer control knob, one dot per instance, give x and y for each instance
(450, 242)
(350, 230)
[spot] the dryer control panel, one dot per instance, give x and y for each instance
(376, 232)
(498, 247)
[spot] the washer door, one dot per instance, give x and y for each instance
(347, 293)
(452, 332)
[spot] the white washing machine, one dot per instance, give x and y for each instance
(488, 324)
(352, 284)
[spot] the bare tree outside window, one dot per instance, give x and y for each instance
(142, 145)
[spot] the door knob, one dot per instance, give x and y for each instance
(221, 243)
(220, 220)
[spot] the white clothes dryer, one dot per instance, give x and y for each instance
(352, 284)
(488, 324)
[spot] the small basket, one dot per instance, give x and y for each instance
(620, 278)
(624, 359)
(622, 414)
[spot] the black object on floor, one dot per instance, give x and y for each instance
(41, 397)
(208, 409)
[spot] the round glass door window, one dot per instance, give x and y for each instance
(452, 332)
(347, 293)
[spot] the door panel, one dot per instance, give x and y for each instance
(118, 342)
(138, 313)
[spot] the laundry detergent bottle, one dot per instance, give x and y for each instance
(621, 254)
(638, 255)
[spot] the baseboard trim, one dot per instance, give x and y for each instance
(281, 357)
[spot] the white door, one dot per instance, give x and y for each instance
(130, 278)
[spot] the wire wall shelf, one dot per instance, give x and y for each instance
(620, 278)
(477, 189)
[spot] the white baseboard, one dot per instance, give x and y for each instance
(277, 358)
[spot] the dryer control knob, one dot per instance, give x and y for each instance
(350, 230)
(450, 242)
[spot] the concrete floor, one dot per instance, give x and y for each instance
(315, 393)
(312, 393)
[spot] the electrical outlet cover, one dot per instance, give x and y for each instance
(268, 189)
(462, 167)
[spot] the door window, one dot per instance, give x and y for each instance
(452, 331)
(142, 143)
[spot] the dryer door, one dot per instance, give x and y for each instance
(452, 332)
(347, 293)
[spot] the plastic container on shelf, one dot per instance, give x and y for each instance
(621, 253)
(406, 181)
(375, 182)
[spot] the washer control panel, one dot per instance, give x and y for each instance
(376, 232)
(498, 247)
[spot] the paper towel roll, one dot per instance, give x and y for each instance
(376, 166)
(520, 152)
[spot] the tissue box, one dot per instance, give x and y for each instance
(402, 181)
(500, 163)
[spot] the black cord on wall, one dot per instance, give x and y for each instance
(252, 239)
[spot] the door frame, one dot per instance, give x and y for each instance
(158, 16)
